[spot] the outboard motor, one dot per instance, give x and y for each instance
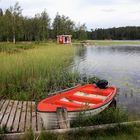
(102, 84)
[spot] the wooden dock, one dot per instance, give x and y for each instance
(18, 116)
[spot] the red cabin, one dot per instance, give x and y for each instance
(64, 39)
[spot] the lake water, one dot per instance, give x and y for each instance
(120, 65)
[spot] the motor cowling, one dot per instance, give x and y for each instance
(102, 84)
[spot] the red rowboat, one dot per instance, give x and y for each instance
(89, 98)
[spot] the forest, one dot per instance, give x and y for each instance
(16, 27)
(121, 33)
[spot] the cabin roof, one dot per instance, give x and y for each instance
(65, 35)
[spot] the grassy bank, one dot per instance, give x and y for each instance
(131, 132)
(35, 70)
(112, 42)
(106, 42)
(19, 47)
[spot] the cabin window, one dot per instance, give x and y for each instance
(66, 39)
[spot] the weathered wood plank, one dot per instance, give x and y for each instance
(7, 113)
(34, 125)
(17, 117)
(1, 104)
(12, 116)
(23, 117)
(39, 122)
(4, 107)
(28, 116)
(62, 116)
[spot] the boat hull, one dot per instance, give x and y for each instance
(50, 119)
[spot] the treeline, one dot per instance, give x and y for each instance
(121, 33)
(16, 27)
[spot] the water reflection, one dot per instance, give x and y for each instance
(120, 65)
(81, 52)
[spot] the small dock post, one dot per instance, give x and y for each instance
(62, 116)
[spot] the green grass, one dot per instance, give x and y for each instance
(33, 73)
(19, 47)
(110, 115)
(112, 42)
(3, 130)
(106, 42)
(120, 132)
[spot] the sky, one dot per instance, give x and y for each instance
(94, 13)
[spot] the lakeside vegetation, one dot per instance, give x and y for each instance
(19, 47)
(110, 115)
(31, 74)
(112, 42)
(29, 71)
(16, 27)
(120, 33)
(130, 132)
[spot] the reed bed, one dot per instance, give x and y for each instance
(12, 48)
(33, 73)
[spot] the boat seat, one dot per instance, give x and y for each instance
(85, 99)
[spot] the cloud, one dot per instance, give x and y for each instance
(108, 10)
(135, 12)
(95, 13)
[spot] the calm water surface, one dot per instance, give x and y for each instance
(120, 65)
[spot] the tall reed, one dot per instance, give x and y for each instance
(33, 73)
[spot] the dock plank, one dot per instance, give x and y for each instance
(3, 109)
(17, 117)
(7, 113)
(34, 125)
(1, 104)
(28, 116)
(12, 116)
(23, 117)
